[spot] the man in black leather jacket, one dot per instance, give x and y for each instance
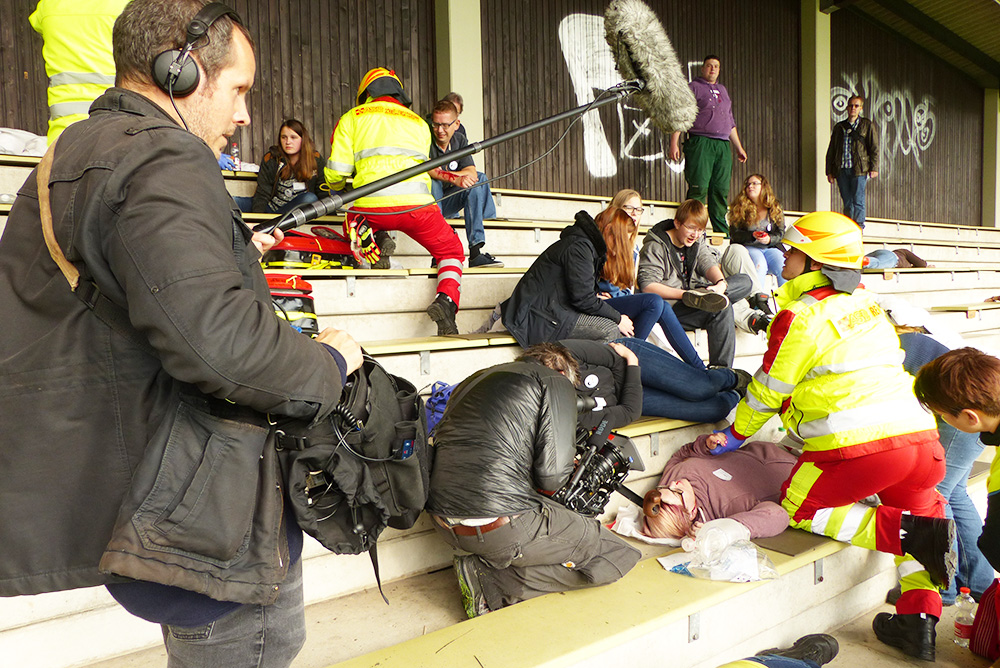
(141, 454)
(505, 444)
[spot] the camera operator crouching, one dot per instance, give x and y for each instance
(506, 443)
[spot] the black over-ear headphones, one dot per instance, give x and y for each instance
(175, 71)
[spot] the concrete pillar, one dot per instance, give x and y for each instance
(991, 157)
(460, 61)
(815, 105)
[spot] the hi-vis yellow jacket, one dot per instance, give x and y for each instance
(833, 369)
(77, 52)
(376, 139)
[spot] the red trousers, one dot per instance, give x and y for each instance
(428, 228)
(821, 496)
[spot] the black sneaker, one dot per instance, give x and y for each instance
(387, 246)
(914, 634)
(473, 599)
(819, 648)
(759, 322)
(743, 379)
(931, 541)
(484, 260)
(442, 311)
(704, 299)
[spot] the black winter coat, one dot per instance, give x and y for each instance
(267, 179)
(604, 375)
(507, 432)
(159, 466)
(559, 286)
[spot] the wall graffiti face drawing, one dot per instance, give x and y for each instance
(905, 124)
(592, 69)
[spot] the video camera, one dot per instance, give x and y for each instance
(603, 460)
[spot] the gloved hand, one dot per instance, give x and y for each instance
(730, 441)
(226, 162)
(362, 239)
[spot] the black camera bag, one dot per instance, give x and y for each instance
(365, 467)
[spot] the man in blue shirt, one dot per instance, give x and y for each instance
(465, 187)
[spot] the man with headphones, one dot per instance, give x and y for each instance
(139, 389)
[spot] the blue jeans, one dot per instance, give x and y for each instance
(305, 197)
(252, 636)
(767, 261)
(961, 450)
(673, 389)
(882, 259)
(852, 191)
(646, 309)
(477, 203)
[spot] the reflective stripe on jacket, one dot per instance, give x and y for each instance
(77, 52)
(833, 369)
(374, 140)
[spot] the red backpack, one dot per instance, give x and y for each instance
(986, 626)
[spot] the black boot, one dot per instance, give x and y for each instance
(931, 541)
(442, 311)
(819, 648)
(914, 634)
(387, 246)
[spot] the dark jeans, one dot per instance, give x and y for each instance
(248, 637)
(673, 389)
(720, 327)
(852, 191)
(646, 309)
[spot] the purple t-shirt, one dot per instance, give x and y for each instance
(715, 110)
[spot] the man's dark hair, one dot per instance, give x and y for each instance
(445, 106)
(554, 356)
(960, 379)
(147, 28)
(709, 57)
(457, 99)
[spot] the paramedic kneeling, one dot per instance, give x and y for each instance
(833, 369)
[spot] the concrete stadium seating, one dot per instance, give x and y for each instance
(818, 589)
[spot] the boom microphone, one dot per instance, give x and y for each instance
(642, 51)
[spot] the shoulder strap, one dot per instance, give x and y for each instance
(110, 313)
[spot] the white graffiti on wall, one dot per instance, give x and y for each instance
(592, 69)
(906, 126)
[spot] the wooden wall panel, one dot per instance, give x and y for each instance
(311, 55)
(528, 78)
(930, 118)
(23, 103)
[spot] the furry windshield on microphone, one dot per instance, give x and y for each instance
(642, 51)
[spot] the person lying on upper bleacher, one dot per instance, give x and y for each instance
(697, 487)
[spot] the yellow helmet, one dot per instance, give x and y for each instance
(388, 84)
(827, 237)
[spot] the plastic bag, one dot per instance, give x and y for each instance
(722, 551)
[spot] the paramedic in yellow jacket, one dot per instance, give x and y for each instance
(379, 137)
(833, 370)
(77, 52)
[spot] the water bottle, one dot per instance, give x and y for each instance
(714, 537)
(966, 607)
(234, 152)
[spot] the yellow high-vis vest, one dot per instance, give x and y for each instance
(833, 369)
(377, 139)
(77, 52)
